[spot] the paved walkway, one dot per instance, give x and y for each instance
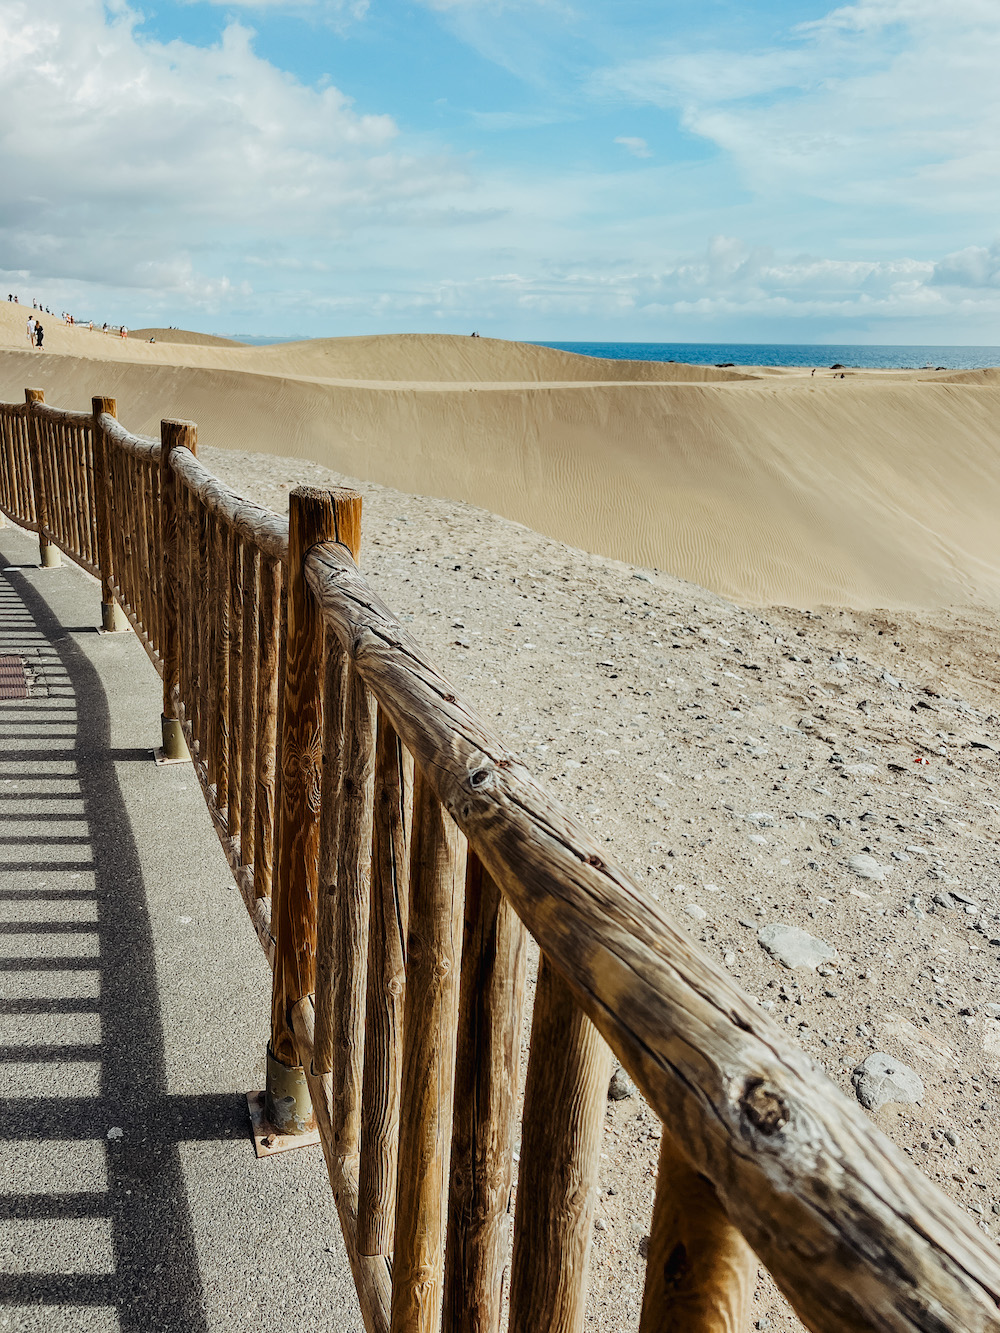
(133, 1015)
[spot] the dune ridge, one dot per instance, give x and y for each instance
(877, 490)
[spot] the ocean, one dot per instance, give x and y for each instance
(855, 355)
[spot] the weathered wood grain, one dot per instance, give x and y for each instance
(265, 766)
(433, 956)
(352, 903)
(371, 1273)
(262, 528)
(48, 554)
(484, 1123)
(327, 959)
(248, 724)
(565, 1101)
(700, 1272)
(855, 1235)
(389, 922)
(312, 519)
(173, 435)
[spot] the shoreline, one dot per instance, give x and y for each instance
(876, 489)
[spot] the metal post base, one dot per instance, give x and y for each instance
(174, 749)
(282, 1116)
(49, 556)
(113, 618)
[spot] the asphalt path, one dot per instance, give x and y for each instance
(134, 1003)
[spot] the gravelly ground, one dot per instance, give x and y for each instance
(735, 761)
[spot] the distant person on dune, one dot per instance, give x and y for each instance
(123, 332)
(39, 335)
(31, 330)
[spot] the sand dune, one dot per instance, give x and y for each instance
(183, 337)
(876, 490)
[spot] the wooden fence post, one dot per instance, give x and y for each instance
(565, 1100)
(700, 1273)
(48, 553)
(113, 618)
(173, 434)
(314, 516)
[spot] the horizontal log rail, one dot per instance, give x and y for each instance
(854, 1234)
(393, 857)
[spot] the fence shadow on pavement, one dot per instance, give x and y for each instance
(93, 1205)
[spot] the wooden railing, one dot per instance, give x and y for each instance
(394, 856)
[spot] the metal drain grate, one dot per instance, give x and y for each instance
(13, 680)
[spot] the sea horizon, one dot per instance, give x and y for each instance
(855, 356)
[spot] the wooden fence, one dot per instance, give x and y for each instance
(393, 856)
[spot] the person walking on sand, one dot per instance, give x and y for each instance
(124, 331)
(31, 330)
(39, 335)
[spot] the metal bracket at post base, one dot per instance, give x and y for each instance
(174, 749)
(282, 1117)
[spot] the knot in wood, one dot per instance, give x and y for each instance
(305, 766)
(594, 860)
(766, 1109)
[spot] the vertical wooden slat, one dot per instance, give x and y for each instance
(173, 435)
(148, 550)
(85, 450)
(48, 433)
(484, 1124)
(352, 898)
(48, 555)
(92, 499)
(311, 519)
(393, 811)
(565, 1102)
(250, 611)
(220, 749)
(203, 580)
(183, 595)
(700, 1272)
(155, 522)
(130, 537)
(80, 487)
(49, 450)
(72, 491)
(267, 726)
(235, 594)
(433, 955)
(327, 959)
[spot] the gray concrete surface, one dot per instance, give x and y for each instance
(133, 1017)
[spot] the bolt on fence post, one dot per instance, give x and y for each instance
(113, 618)
(173, 435)
(314, 516)
(48, 552)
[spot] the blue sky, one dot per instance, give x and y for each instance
(561, 169)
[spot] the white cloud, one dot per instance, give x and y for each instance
(637, 147)
(976, 268)
(128, 149)
(884, 103)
